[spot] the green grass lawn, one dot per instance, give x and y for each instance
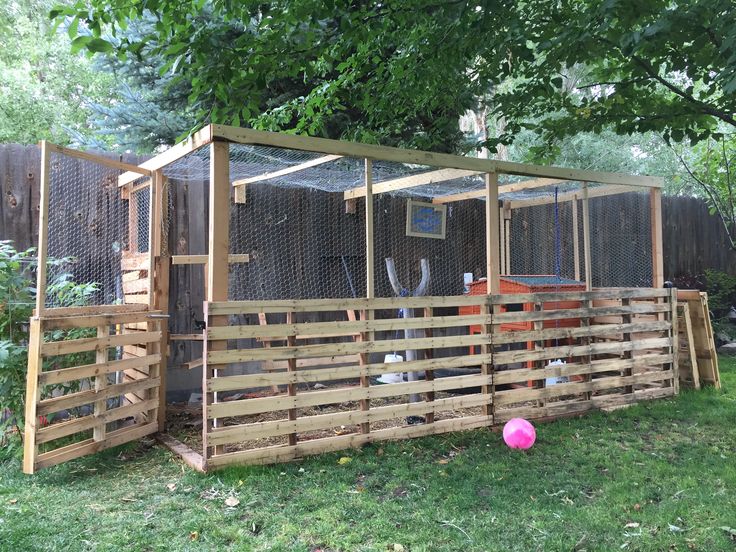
(657, 476)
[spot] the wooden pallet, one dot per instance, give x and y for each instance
(705, 349)
(688, 360)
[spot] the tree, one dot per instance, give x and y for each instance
(400, 71)
(44, 89)
(374, 72)
(663, 66)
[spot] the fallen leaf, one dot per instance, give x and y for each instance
(171, 486)
(632, 525)
(344, 460)
(379, 452)
(231, 501)
(637, 506)
(193, 536)
(443, 461)
(240, 483)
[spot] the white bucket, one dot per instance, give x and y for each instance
(558, 379)
(392, 377)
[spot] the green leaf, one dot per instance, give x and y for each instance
(99, 45)
(79, 43)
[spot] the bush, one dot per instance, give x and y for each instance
(17, 300)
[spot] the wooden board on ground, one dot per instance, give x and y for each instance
(705, 349)
(688, 360)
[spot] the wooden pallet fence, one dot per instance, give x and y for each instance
(619, 351)
(702, 334)
(346, 405)
(88, 395)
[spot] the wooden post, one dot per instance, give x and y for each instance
(655, 205)
(43, 228)
(33, 395)
(493, 271)
(575, 238)
(162, 273)
(507, 234)
(429, 373)
(99, 431)
(369, 260)
(675, 341)
(217, 268)
(291, 387)
(492, 229)
(586, 239)
(370, 292)
(502, 240)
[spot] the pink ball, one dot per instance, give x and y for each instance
(519, 434)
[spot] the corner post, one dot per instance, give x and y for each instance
(655, 205)
(370, 292)
(217, 270)
(43, 228)
(493, 247)
(493, 275)
(586, 239)
(158, 294)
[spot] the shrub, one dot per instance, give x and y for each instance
(17, 299)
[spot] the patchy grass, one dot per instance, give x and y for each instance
(658, 476)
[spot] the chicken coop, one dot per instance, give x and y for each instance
(264, 283)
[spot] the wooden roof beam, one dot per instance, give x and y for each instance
(136, 171)
(287, 170)
(386, 153)
(197, 140)
(600, 191)
(431, 177)
(505, 189)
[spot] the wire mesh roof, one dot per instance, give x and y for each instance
(340, 174)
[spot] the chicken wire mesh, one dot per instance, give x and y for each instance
(91, 226)
(303, 244)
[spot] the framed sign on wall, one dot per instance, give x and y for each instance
(425, 220)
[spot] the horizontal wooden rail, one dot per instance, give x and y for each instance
(524, 375)
(90, 446)
(56, 404)
(284, 453)
(327, 305)
(202, 259)
(92, 343)
(92, 370)
(64, 429)
(314, 398)
(232, 383)
(259, 430)
(345, 328)
(331, 349)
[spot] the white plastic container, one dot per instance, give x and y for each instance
(558, 379)
(392, 377)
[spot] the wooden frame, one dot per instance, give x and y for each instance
(138, 326)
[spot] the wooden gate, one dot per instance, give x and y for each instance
(86, 389)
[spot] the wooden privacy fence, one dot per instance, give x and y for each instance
(94, 377)
(618, 350)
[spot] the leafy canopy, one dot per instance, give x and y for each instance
(401, 71)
